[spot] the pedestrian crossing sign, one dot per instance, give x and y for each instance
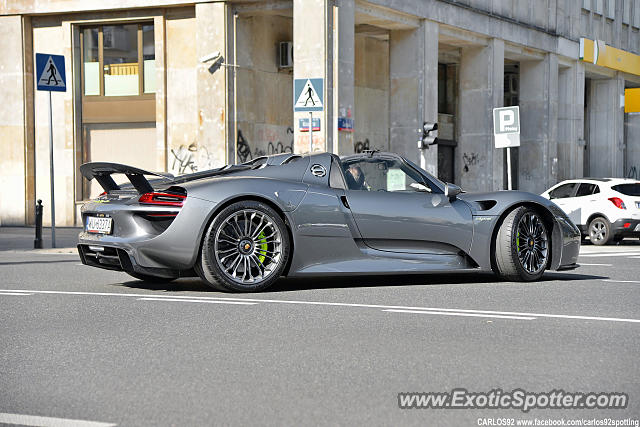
(308, 95)
(50, 72)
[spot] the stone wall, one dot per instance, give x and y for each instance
(265, 92)
(185, 154)
(12, 123)
(371, 115)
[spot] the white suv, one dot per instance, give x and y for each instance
(604, 209)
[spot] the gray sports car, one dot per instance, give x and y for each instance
(241, 227)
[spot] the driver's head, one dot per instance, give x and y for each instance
(357, 174)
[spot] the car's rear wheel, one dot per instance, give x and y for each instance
(149, 278)
(522, 246)
(599, 231)
(245, 249)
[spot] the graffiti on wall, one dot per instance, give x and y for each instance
(633, 173)
(302, 142)
(470, 159)
(360, 146)
(190, 159)
(244, 151)
(272, 144)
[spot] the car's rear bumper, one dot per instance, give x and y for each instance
(119, 259)
(632, 228)
(149, 250)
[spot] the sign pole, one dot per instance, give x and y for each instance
(307, 98)
(506, 133)
(50, 77)
(310, 132)
(509, 187)
(53, 199)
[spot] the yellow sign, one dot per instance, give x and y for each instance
(632, 100)
(599, 53)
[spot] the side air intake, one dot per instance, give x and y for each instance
(485, 205)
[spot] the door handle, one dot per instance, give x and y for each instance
(344, 201)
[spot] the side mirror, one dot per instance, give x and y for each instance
(451, 191)
(420, 187)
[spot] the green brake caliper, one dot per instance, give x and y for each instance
(262, 244)
(517, 242)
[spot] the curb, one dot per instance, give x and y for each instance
(50, 251)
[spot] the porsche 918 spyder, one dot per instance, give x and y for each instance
(241, 227)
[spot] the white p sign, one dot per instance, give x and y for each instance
(506, 127)
(506, 120)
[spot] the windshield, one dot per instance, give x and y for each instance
(432, 178)
(628, 189)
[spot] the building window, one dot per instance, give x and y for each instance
(626, 12)
(611, 9)
(599, 7)
(90, 61)
(118, 60)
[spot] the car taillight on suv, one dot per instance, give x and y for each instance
(618, 202)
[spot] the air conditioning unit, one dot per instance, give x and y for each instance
(285, 55)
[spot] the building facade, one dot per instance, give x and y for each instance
(181, 86)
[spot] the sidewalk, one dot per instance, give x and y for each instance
(21, 238)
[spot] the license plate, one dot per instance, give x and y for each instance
(99, 224)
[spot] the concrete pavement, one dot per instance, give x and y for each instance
(21, 238)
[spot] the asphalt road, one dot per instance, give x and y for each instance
(79, 343)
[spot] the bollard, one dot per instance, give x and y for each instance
(37, 243)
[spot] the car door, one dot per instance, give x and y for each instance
(397, 210)
(562, 196)
(584, 203)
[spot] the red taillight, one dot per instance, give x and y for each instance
(162, 199)
(618, 202)
(626, 225)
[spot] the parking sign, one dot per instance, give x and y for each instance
(506, 127)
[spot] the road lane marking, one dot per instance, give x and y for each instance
(602, 265)
(612, 249)
(15, 293)
(33, 420)
(197, 300)
(621, 281)
(609, 254)
(441, 313)
(334, 304)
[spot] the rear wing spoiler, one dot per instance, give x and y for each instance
(102, 172)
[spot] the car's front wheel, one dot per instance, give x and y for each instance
(522, 246)
(245, 249)
(599, 231)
